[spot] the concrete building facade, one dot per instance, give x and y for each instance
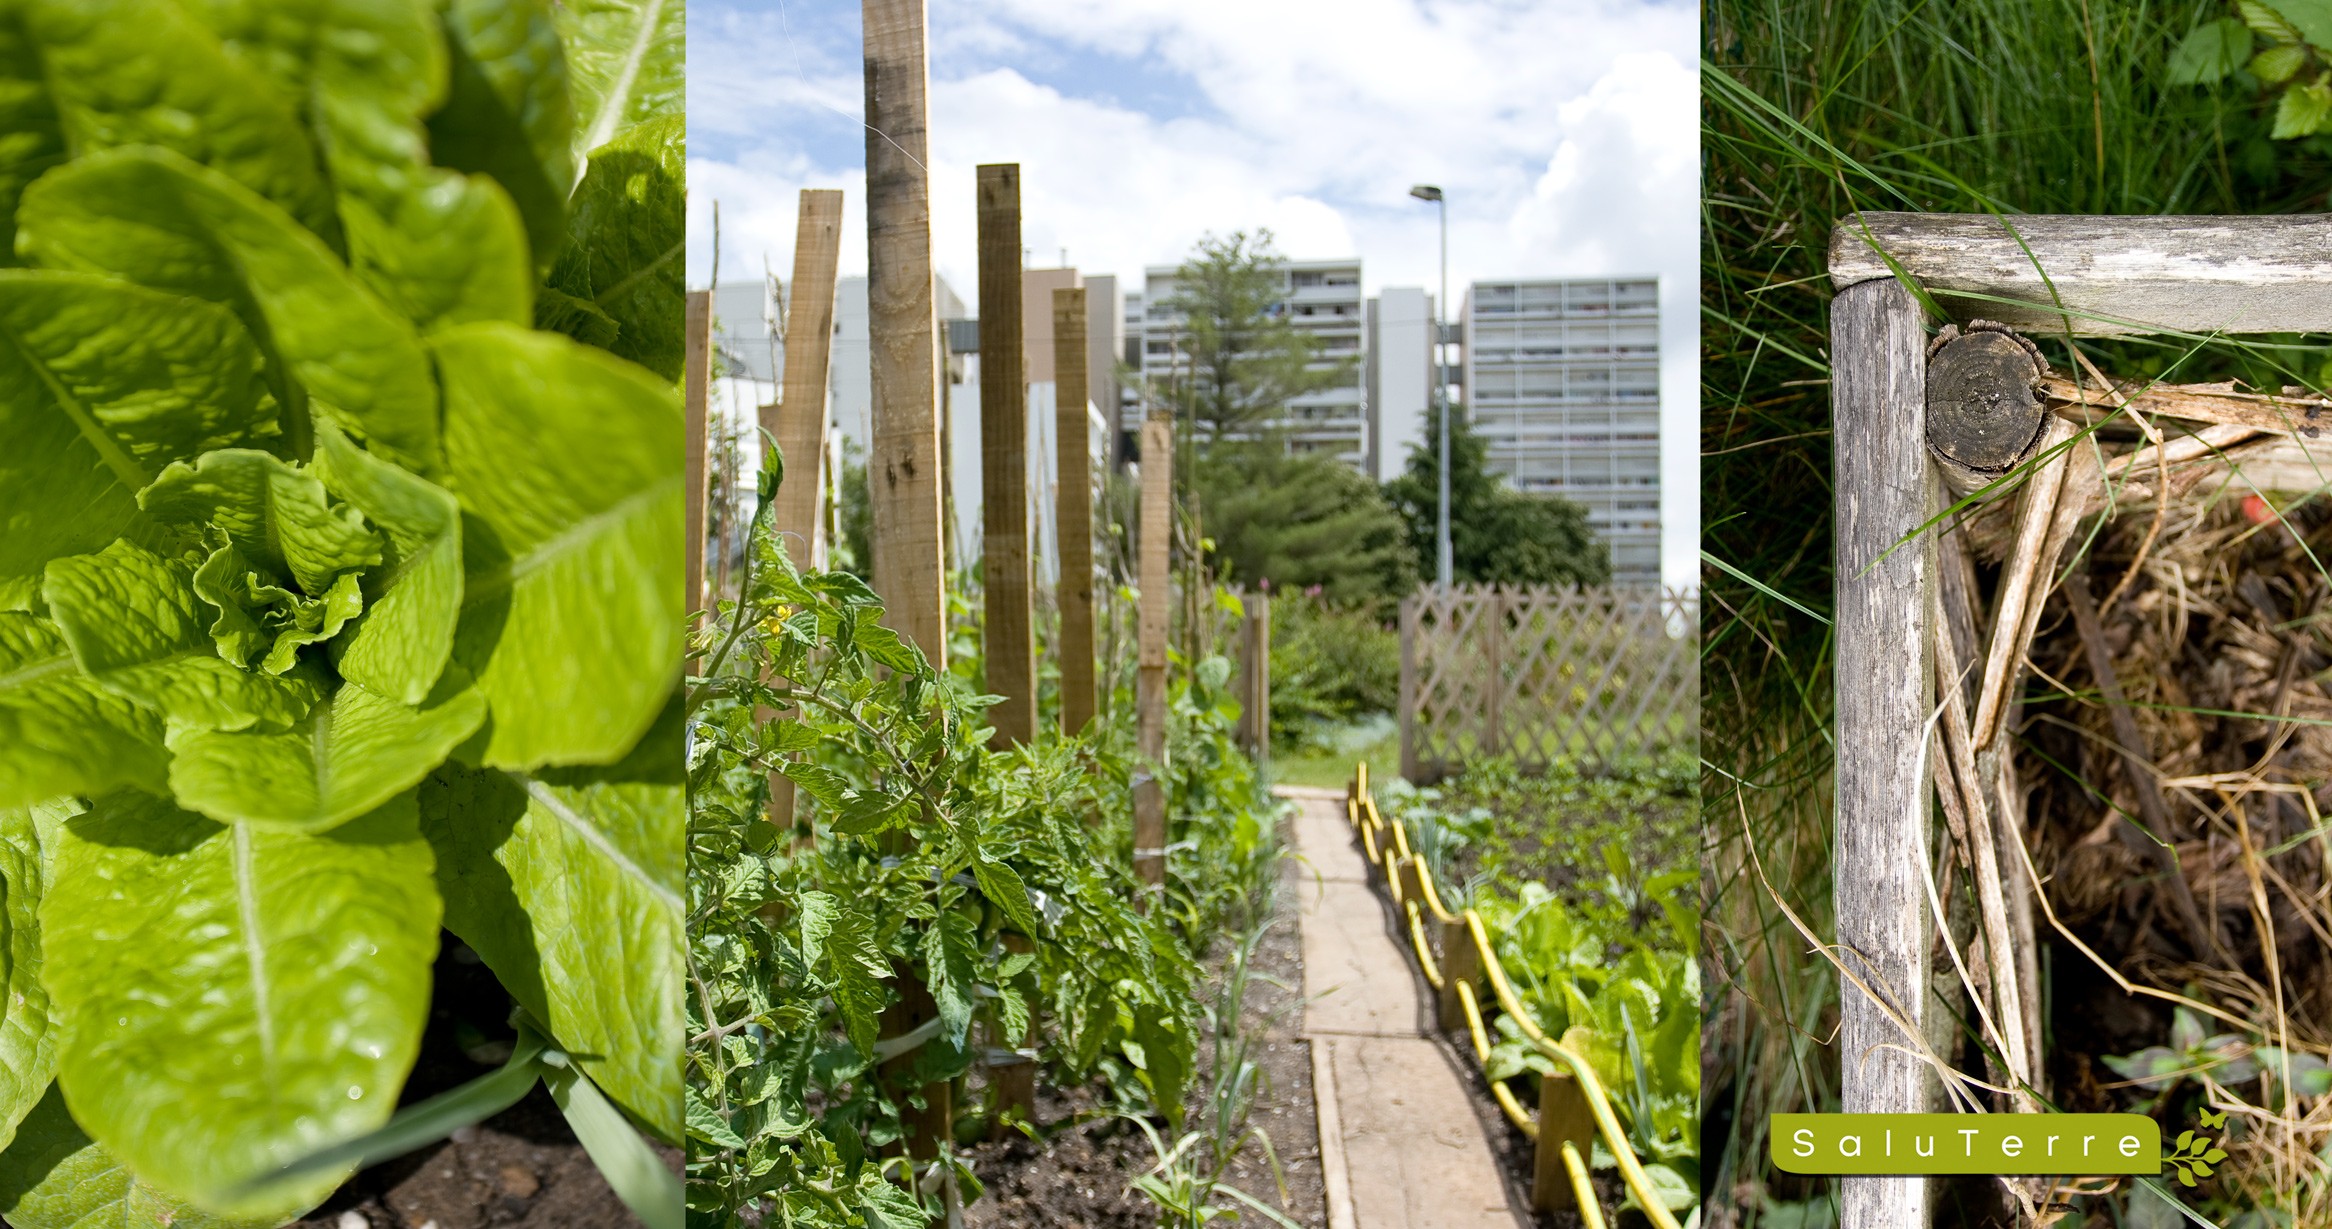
(1562, 378)
(1400, 376)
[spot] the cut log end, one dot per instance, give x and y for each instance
(1985, 414)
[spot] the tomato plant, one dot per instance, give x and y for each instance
(340, 504)
(920, 858)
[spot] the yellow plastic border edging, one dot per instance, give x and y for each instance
(1581, 1187)
(1362, 809)
(1631, 1170)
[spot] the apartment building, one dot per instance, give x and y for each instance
(1562, 378)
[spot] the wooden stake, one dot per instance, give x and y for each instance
(1008, 633)
(1886, 490)
(903, 465)
(698, 382)
(1461, 965)
(1255, 675)
(1073, 509)
(1150, 677)
(1563, 1117)
(799, 419)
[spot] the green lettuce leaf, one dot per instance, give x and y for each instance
(507, 113)
(569, 885)
(232, 998)
(617, 283)
(278, 516)
(157, 219)
(135, 625)
(626, 63)
(351, 753)
(260, 619)
(567, 464)
(102, 383)
(32, 139)
(28, 1045)
(61, 733)
(413, 600)
(55, 1177)
(122, 73)
(438, 246)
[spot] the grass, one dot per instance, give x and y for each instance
(1328, 761)
(1812, 111)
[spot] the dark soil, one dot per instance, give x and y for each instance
(521, 1167)
(1079, 1176)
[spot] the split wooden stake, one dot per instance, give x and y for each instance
(1073, 508)
(903, 459)
(1007, 630)
(697, 381)
(797, 421)
(1155, 530)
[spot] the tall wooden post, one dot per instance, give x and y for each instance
(1073, 508)
(1008, 636)
(1255, 674)
(904, 464)
(698, 381)
(1886, 486)
(798, 420)
(1150, 677)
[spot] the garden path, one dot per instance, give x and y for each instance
(1400, 1141)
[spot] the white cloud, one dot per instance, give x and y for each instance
(1566, 136)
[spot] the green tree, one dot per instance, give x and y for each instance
(1239, 359)
(1301, 520)
(1497, 535)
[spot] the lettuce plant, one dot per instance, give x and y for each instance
(340, 531)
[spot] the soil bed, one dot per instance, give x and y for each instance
(521, 1169)
(1078, 1176)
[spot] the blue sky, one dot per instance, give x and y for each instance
(1566, 133)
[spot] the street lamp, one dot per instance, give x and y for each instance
(1441, 571)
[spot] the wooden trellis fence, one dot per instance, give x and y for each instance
(1595, 676)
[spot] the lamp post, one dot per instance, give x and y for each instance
(1441, 569)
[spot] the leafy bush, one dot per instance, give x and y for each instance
(336, 600)
(1330, 666)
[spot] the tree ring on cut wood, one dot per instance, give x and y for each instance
(1985, 415)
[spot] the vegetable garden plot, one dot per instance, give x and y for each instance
(999, 882)
(340, 499)
(2148, 808)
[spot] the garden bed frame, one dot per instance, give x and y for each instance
(2103, 276)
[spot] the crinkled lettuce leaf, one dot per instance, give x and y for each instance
(62, 733)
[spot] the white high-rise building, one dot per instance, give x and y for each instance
(1563, 382)
(1322, 298)
(1400, 377)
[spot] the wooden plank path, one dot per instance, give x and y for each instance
(1400, 1142)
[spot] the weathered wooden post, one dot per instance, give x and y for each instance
(1073, 508)
(1563, 1117)
(1491, 618)
(1007, 631)
(904, 464)
(697, 378)
(798, 419)
(1886, 490)
(1155, 530)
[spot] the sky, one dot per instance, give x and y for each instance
(1564, 132)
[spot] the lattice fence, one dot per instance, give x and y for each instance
(1593, 675)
